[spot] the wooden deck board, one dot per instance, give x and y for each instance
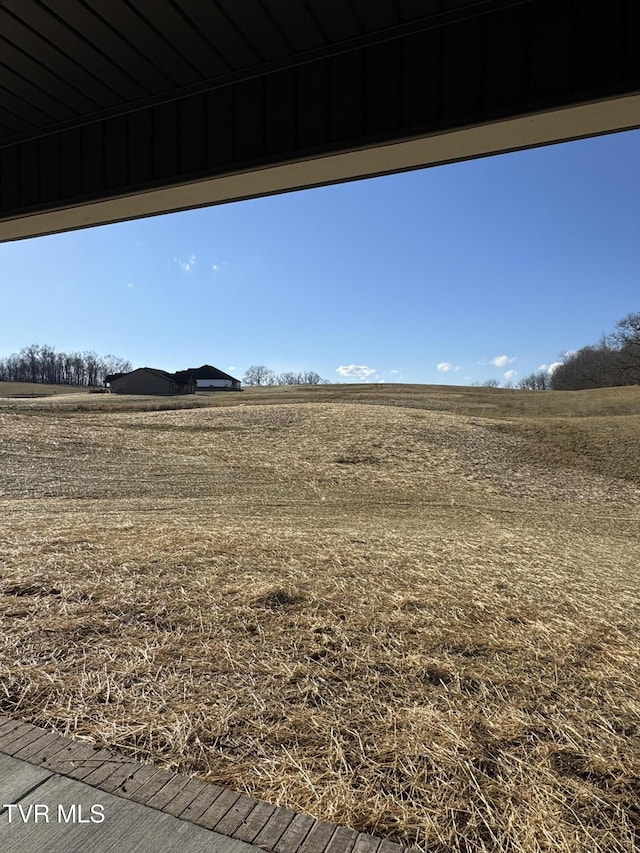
(83, 764)
(7, 726)
(11, 725)
(366, 844)
(185, 797)
(390, 847)
(128, 826)
(342, 841)
(136, 780)
(61, 760)
(102, 772)
(207, 795)
(169, 791)
(254, 822)
(31, 744)
(318, 838)
(273, 830)
(67, 757)
(152, 786)
(122, 772)
(228, 813)
(33, 750)
(218, 809)
(24, 736)
(236, 815)
(295, 834)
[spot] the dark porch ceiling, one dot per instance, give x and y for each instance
(107, 99)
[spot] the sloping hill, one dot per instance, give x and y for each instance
(36, 389)
(416, 615)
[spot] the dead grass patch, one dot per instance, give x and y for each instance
(437, 648)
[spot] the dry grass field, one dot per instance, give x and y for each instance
(411, 610)
(36, 389)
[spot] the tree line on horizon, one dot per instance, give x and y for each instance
(41, 364)
(613, 361)
(258, 374)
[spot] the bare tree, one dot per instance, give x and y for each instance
(41, 363)
(614, 360)
(289, 378)
(91, 367)
(626, 338)
(540, 381)
(310, 377)
(258, 374)
(307, 377)
(12, 367)
(112, 364)
(47, 364)
(627, 331)
(31, 358)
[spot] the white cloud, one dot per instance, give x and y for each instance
(186, 265)
(446, 367)
(218, 267)
(509, 374)
(502, 360)
(129, 284)
(357, 371)
(391, 376)
(549, 368)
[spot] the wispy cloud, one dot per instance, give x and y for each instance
(549, 368)
(186, 265)
(447, 367)
(502, 360)
(509, 374)
(129, 284)
(392, 375)
(357, 371)
(219, 266)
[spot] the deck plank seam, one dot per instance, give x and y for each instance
(27, 792)
(194, 801)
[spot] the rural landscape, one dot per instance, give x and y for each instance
(413, 610)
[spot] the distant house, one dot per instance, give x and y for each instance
(148, 380)
(211, 379)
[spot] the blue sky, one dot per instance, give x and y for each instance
(455, 274)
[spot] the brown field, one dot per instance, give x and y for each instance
(413, 610)
(36, 389)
